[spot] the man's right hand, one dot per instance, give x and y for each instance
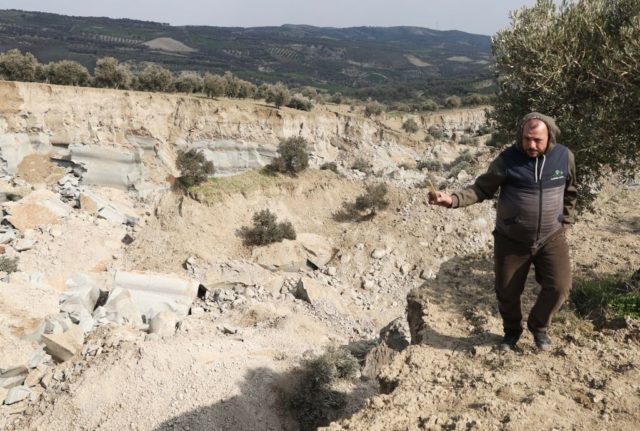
(440, 199)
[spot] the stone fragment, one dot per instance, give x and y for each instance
(121, 308)
(379, 253)
(17, 394)
(319, 295)
(64, 346)
(13, 377)
(287, 255)
(34, 377)
(24, 244)
(427, 274)
(318, 248)
(40, 207)
(164, 324)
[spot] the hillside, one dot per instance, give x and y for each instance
(360, 60)
(90, 215)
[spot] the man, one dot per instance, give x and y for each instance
(537, 182)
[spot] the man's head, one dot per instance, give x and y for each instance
(536, 132)
(535, 138)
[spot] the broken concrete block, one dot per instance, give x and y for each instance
(121, 308)
(57, 324)
(62, 347)
(319, 295)
(38, 358)
(17, 394)
(153, 292)
(40, 207)
(164, 324)
(24, 244)
(80, 300)
(13, 377)
(319, 250)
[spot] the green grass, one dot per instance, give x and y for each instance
(216, 188)
(606, 298)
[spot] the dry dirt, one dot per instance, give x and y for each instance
(227, 365)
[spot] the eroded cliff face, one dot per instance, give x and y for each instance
(148, 128)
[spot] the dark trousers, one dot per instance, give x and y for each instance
(553, 273)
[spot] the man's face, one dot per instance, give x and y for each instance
(535, 138)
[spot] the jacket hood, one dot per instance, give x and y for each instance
(553, 129)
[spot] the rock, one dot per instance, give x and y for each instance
(24, 244)
(17, 394)
(332, 271)
(379, 253)
(367, 284)
(289, 256)
(396, 334)
(40, 207)
(62, 347)
(57, 324)
(164, 323)
(120, 308)
(13, 377)
(319, 250)
(319, 295)
(38, 358)
(80, 300)
(377, 358)
(405, 268)
(34, 377)
(427, 274)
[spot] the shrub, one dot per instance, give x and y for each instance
(453, 102)
(410, 126)
(214, 85)
(110, 74)
(246, 89)
(8, 264)
(466, 140)
(266, 229)
(312, 400)
(15, 66)
(277, 94)
(436, 132)
(457, 167)
(66, 72)
(194, 168)
(298, 101)
(362, 165)
(293, 156)
(373, 109)
(155, 78)
(430, 165)
(188, 83)
(605, 298)
(429, 105)
(330, 166)
(336, 98)
(373, 199)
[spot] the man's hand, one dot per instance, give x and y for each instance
(440, 199)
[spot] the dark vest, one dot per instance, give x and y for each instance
(532, 197)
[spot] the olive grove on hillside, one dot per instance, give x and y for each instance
(580, 63)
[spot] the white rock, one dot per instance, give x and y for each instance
(379, 253)
(17, 394)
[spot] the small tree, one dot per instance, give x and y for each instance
(188, 82)
(155, 78)
(194, 168)
(453, 102)
(267, 230)
(246, 89)
(278, 94)
(108, 73)
(15, 66)
(374, 199)
(429, 105)
(214, 85)
(298, 101)
(410, 126)
(293, 156)
(373, 109)
(67, 72)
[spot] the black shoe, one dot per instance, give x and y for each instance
(509, 340)
(542, 340)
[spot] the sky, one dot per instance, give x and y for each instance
(472, 16)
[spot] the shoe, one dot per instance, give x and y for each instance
(542, 340)
(509, 340)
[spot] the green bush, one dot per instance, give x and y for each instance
(194, 168)
(374, 199)
(330, 166)
(67, 72)
(8, 264)
(313, 401)
(155, 78)
(457, 167)
(214, 85)
(188, 83)
(453, 102)
(299, 102)
(605, 298)
(267, 230)
(373, 109)
(362, 165)
(292, 157)
(410, 126)
(430, 165)
(429, 105)
(436, 132)
(15, 66)
(467, 140)
(277, 94)
(110, 74)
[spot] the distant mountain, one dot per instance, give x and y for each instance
(390, 63)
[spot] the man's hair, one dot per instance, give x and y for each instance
(552, 128)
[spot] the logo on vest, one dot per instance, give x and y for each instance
(557, 175)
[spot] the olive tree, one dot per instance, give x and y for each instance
(16, 66)
(67, 72)
(110, 74)
(579, 63)
(155, 78)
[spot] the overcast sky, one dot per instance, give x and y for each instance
(473, 16)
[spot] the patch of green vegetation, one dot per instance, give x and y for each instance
(215, 189)
(607, 297)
